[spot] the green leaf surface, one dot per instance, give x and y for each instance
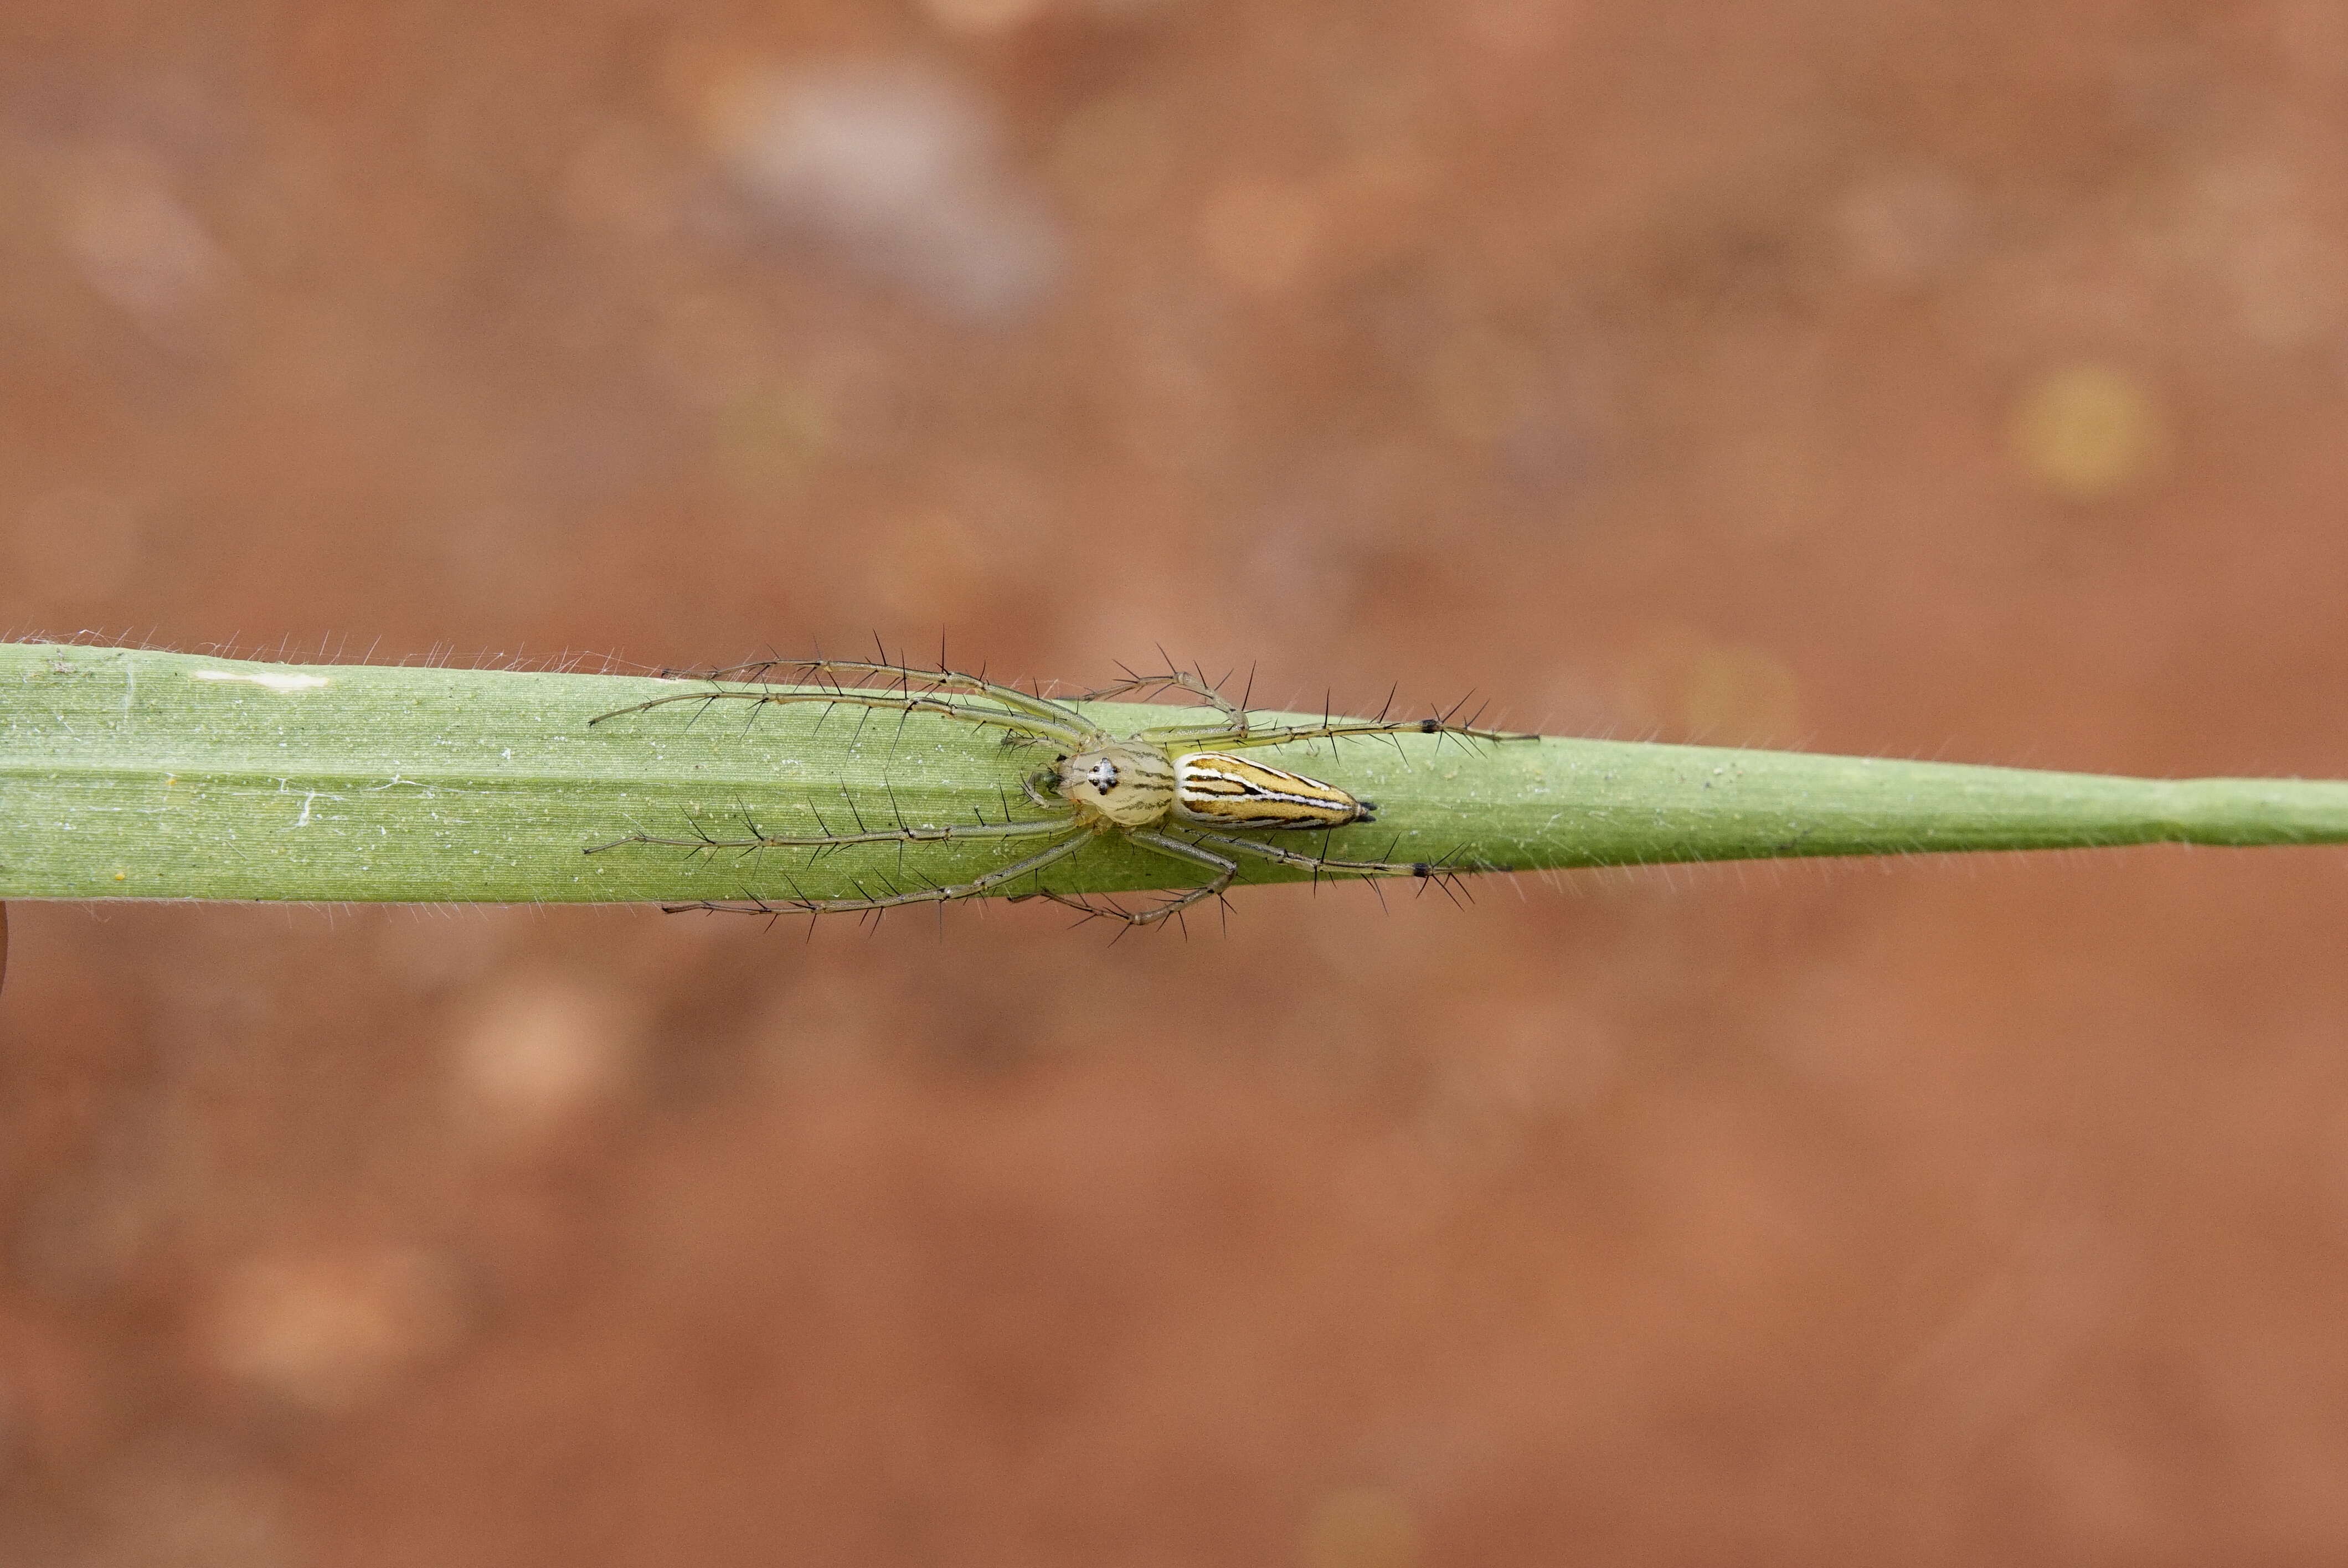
(131, 774)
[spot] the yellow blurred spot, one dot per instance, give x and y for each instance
(1361, 1527)
(1259, 235)
(2087, 433)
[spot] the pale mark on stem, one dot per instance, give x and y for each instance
(282, 683)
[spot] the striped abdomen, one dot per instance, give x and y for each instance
(1215, 789)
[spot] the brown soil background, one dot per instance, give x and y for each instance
(1954, 380)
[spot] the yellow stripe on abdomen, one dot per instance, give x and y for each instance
(1215, 789)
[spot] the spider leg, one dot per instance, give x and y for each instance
(1340, 727)
(902, 702)
(1434, 870)
(905, 677)
(1182, 679)
(975, 888)
(1164, 843)
(831, 840)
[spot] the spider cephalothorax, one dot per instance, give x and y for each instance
(1186, 777)
(1115, 782)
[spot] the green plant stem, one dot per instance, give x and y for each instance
(126, 774)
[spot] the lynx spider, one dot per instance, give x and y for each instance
(1181, 775)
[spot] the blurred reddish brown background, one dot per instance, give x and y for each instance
(1948, 380)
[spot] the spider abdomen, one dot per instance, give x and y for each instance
(1216, 789)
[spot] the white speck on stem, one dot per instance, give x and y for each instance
(287, 684)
